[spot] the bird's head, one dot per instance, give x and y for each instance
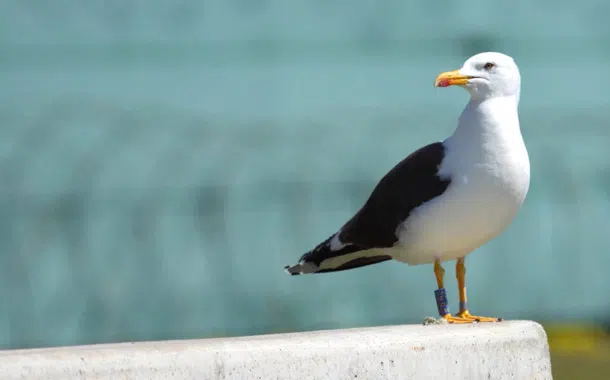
(485, 75)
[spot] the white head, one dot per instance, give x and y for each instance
(484, 76)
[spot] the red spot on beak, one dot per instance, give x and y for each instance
(443, 83)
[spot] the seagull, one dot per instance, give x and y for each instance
(448, 198)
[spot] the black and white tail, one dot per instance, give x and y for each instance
(332, 256)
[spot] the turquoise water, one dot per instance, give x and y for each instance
(161, 162)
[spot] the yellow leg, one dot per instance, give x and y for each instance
(460, 272)
(439, 272)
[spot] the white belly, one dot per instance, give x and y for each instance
(480, 202)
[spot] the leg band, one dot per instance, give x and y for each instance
(441, 301)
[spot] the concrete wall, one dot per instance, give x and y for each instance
(506, 350)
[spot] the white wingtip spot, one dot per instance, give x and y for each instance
(336, 243)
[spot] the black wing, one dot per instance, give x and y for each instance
(410, 183)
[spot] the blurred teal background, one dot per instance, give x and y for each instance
(160, 162)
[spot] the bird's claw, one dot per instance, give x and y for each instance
(464, 317)
(465, 314)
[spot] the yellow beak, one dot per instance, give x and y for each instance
(451, 78)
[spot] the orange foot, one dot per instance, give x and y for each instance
(465, 314)
(456, 319)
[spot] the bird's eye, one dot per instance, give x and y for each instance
(488, 66)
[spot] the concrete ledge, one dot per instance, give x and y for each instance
(506, 350)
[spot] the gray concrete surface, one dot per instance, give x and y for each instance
(505, 350)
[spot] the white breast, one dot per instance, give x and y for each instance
(489, 169)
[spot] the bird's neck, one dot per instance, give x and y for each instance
(489, 116)
(488, 124)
